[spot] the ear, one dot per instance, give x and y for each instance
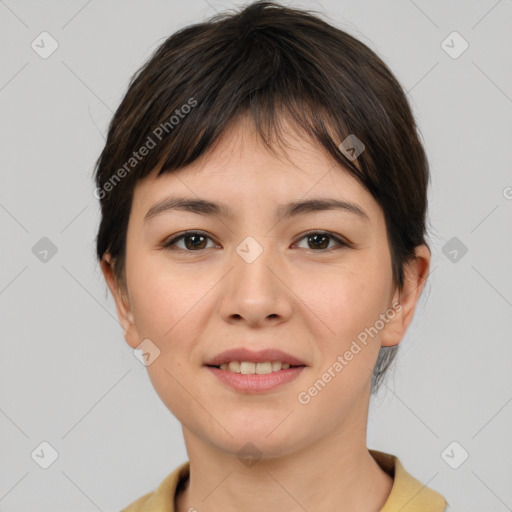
(122, 300)
(404, 301)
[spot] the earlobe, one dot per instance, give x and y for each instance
(405, 300)
(122, 302)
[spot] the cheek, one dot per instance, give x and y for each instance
(351, 308)
(167, 307)
(353, 302)
(162, 298)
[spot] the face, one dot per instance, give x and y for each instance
(310, 284)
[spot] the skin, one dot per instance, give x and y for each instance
(193, 303)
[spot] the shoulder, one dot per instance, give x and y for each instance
(138, 505)
(162, 498)
(407, 494)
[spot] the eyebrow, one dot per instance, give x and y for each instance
(210, 208)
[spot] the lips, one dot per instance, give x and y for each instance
(261, 356)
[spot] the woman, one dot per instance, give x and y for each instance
(263, 193)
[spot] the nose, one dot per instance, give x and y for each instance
(255, 290)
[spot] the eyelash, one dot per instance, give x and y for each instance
(172, 242)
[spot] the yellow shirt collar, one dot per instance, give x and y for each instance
(407, 494)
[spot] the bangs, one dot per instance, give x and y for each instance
(263, 74)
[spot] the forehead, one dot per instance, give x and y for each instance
(240, 171)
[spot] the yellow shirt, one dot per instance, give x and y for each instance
(407, 493)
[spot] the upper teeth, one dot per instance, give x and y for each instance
(247, 367)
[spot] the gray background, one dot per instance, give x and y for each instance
(67, 375)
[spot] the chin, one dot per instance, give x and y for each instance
(267, 439)
(249, 449)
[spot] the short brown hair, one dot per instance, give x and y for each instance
(267, 61)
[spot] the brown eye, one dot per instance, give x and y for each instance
(319, 240)
(193, 241)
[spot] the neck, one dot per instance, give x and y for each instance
(337, 472)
